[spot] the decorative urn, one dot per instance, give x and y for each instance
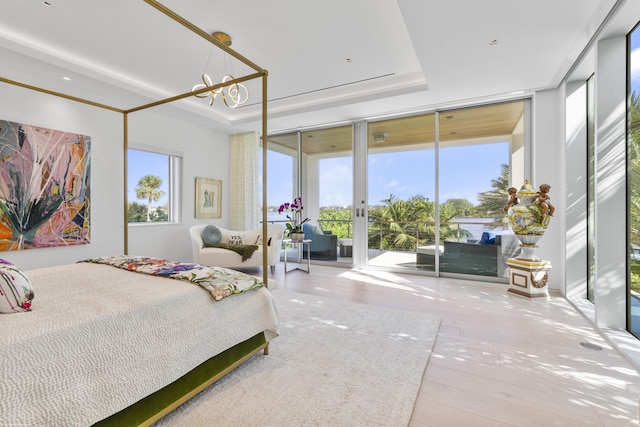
(529, 212)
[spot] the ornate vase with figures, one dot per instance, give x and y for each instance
(529, 212)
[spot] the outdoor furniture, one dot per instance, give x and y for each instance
(426, 255)
(324, 244)
(346, 246)
(487, 257)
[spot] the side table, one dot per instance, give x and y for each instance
(286, 243)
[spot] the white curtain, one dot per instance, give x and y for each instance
(244, 200)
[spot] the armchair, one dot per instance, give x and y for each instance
(324, 244)
(220, 257)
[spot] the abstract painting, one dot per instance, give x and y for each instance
(44, 187)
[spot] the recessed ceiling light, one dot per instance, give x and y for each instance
(47, 3)
(380, 137)
(347, 60)
(493, 42)
(66, 78)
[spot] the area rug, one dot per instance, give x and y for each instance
(335, 363)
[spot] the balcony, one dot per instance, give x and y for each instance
(411, 245)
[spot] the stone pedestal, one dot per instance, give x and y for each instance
(528, 278)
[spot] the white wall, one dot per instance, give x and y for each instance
(548, 168)
(577, 181)
(105, 129)
(610, 180)
(205, 153)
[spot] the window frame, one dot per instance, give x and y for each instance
(174, 185)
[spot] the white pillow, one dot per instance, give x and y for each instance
(16, 291)
(236, 239)
(259, 241)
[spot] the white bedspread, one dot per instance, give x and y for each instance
(100, 338)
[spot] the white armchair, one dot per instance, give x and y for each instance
(220, 257)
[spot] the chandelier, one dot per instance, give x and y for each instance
(232, 95)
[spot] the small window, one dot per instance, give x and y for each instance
(152, 185)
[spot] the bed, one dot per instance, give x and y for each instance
(104, 345)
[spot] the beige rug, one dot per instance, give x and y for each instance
(335, 363)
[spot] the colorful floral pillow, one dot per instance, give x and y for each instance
(16, 291)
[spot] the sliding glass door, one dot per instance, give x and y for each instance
(401, 193)
(282, 174)
(633, 182)
(424, 193)
(328, 188)
(437, 184)
(481, 155)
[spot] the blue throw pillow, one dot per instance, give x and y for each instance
(312, 229)
(487, 238)
(211, 235)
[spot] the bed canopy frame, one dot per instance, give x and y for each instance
(259, 73)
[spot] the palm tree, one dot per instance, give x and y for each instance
(492, 202)
(408, 220)
(634, 167)
(449, 211)
(149, 188)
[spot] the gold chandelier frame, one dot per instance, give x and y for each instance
(259, 73)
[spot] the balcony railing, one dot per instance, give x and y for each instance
(407, 235)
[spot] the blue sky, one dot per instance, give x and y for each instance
(465, 172)
(635, 60)
(145, 163)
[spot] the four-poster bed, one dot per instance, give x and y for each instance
(90, 279)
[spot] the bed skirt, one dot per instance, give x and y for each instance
(153, 407)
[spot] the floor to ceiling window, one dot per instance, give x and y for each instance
(401, 192)
(282, 174)
(591, 189)
(428, 195)
(633, 182)
(328, 184)
(478, 154)
(481, 155)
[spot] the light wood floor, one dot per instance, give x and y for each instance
(499, 359)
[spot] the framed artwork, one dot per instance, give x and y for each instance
(44, 187)
(208, 198)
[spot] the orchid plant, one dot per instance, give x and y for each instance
(295, 215)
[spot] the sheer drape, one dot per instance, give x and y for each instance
(244, 206)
